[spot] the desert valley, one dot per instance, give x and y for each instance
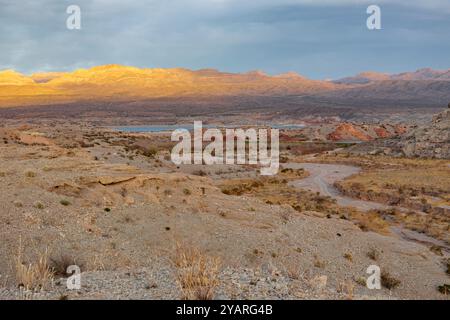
(87, 179)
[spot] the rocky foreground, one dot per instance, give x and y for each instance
(139, 227)
(431, 140)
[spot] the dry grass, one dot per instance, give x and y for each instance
(379, 161)
(348, 256)
(416, 180)
(33, 276)
(197, 274)
(278, 192)
(293, 271)
(318, 263)
(417, 184)
(347, 288)
(370, 221)
(433, 224)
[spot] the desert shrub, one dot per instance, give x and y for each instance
(39, 205)
(444, 289)
(284, 159)
(232, 191)
(60, 263)
(436, 250)
(347, 288)
(197, 274)
(373, 254)
(295, 172)
(241, 187)
(127, 219)
(361, 281)
(370, 221)
(187, 191)
(200, 173)
(356, 186)
(388, 281)
(318, 263)
(348, 256)
(18, 204)
(30, 174)
(84, 144)
(151, 152)
(65, 202)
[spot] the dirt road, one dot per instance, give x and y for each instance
(322, 178)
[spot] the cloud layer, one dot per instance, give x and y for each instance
(320, 39)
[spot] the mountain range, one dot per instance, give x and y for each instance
(116, 83)
(425, 74)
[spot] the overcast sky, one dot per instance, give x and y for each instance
(318, 39)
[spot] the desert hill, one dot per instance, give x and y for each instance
(431, 140)
(421, 74)
(12, 78)
(118, 84)
(412, 92)
(364, 77)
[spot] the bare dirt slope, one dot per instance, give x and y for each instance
(123, 223)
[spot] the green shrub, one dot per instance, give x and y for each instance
(65, 202)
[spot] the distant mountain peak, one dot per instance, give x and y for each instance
(109, 67)
(364, 78)
(290, 75)
(10, 72)
(373, 75)
(12, 77)
(259, 73)
(420, 74)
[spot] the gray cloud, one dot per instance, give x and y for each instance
(317, 38)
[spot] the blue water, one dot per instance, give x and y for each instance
(287, 126)
(165, 128)
(153, 128)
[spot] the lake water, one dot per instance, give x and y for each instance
(190, 127)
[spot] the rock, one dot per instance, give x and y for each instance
(427, 141)
(430, 141)
(114, 180)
